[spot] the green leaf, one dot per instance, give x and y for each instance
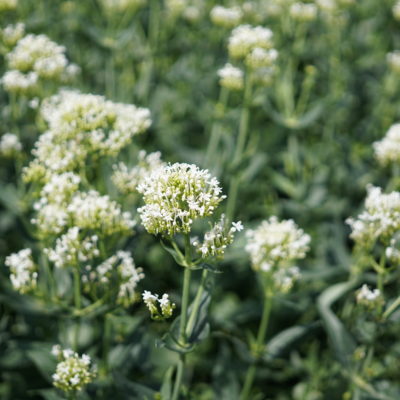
(166, 387)
(342, 342)
(283, 340)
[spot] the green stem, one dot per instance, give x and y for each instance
(262, 330)
(216, 130)
(184, 314)
(106, 341)
(196, 304)
(244, 120)
(391, 308)
(178, 378)
(78, 304)
(240, 145)
(185, 304)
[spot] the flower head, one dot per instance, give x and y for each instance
(73, 372)
(175, 196)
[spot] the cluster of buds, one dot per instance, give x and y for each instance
(387, 150)
(227, 17)
(23, 271)
(217, 239)
(369, 298)
(160, 308)
(10, 145)
(73, 372)
(273, 246)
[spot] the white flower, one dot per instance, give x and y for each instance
(259, 58)
(380, 219)
(393, 61)
(23, 270)
(165, 309)
(231, 77)
(175, 196)
(127, 179)
(73, 373)
(245, 38)
(275, 242)
(387, 150)
(303, 11)
(226, 17)
(369, 298)
(12, 33)
(10, 145)
(18, 82)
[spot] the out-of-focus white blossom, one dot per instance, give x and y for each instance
(160, 308)
(10, 145)
(396, 11)
(393, 61)
(259, 58)
(245, 38)
(127, 179)
(387, 150)
(12, 33)
(285, 278)
(175, 196)
(380, 219)
(73, 372)
(370, 298)
(275, 242)
(118, 6)
(23, 270)
(18, 82)
(227, 17)
(8, 5)
(303, 11)
(231, 77)
(39, 54)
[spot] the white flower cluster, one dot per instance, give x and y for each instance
(380, 219)
(276, 242)
(369, 298)
(73, 372)
(190, 10)
(392, 252)
(120, 266)
(231, 77)
(303, 12)
(12, 33)
(83, 125)
(70, 249)
(119, 6)
(387, 150)
(217, 239)
(7, 5)
(10, 145)
(23, 270)
(396, 11)
(393, 61)
(127, 179)
(175, 196)
(285, 278)
(34, 58)
(18, 82)
(160, 309)
(261, 58)
(227, 17)
(245, 38)
(90, 210)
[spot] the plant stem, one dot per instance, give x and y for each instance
(262, 330)
(243, 130)
(215, 134)
(391, 308)
(196, 304)
(183, 320)
(244, 120)
(185, 304)
(78, 304)
(178, 379)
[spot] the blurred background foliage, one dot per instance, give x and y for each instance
(308, 161)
